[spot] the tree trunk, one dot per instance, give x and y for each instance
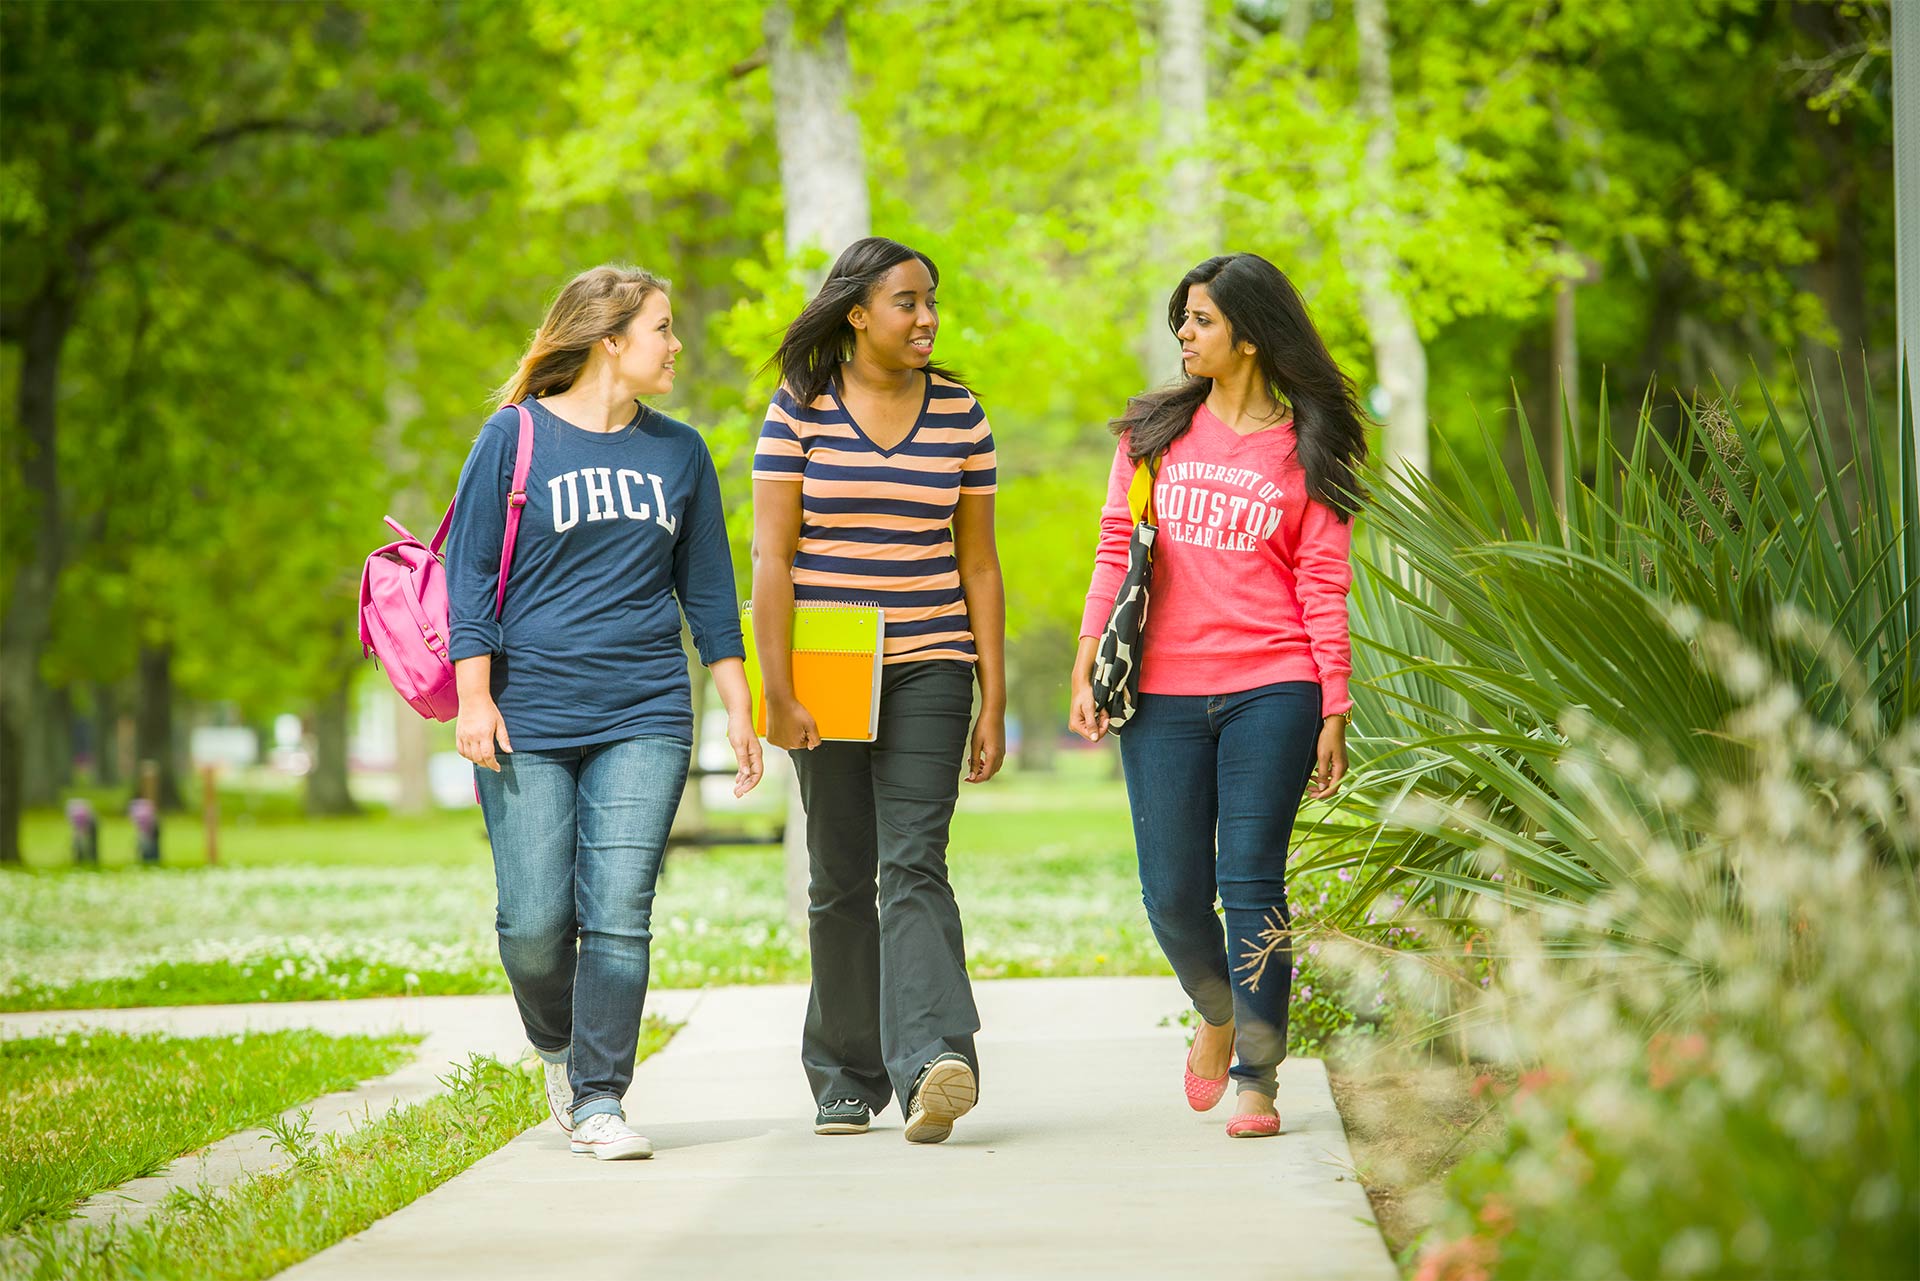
(39, 781)
(1566, 390)
(822, 165)
(1906, 205)
(1187, 228)
(49, 760)
(1659, 359)
(823, 180)
(1839, 275)
(10, 787)
(1299, 19)
(1838, 278)
(1399, 357)
(106, 735)
(1534, 387)
(327, 792)
(28, 619)
(1038, 694)
(153, 738)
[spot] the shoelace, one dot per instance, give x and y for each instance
(842, 1103)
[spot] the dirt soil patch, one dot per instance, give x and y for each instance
(1408, 1127)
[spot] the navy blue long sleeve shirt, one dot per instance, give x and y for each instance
(621, 532)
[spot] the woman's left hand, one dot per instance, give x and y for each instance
(1330, 764)
(746, 752)
(987, 750)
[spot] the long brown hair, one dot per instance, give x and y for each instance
(595, 304)
(1261, 306)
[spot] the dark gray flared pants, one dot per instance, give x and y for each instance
(890, 989)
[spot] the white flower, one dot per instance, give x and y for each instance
(1691, 1253)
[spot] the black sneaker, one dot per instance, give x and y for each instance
(843, 1116)
(945, 1091)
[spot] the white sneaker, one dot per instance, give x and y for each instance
(608, 1137)
(559, 1094)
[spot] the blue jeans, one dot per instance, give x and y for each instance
(578, 834)
(1215, 782)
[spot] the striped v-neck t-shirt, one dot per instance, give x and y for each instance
(877, 524)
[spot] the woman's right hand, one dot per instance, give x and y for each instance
(1083, 718)
(790, 725)
(476, 730)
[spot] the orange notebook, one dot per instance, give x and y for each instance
(837, 654)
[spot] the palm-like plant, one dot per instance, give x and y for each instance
(1503, 642)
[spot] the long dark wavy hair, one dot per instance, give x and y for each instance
(1261, 306)
(820, 337)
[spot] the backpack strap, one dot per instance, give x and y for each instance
(439, 535)
(516, 499)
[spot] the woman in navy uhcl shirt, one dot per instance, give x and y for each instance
(574, 704)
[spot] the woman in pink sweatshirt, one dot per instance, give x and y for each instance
(1243, 700)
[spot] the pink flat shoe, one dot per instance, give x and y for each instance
(1203, 1093)
(1253, 1125)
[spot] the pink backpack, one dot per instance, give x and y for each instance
(403, 601)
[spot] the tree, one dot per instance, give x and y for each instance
(1399, 357)
(823, 177)
(102, 144)
(218, 213)
(823, 181)
(1186, 227)
(229, 207)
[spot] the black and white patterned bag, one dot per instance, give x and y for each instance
(1116, 665)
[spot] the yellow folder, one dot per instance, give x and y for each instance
(837, 654)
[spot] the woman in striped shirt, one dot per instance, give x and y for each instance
(873, 483)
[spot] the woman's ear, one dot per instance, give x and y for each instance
(857, 317)
(1248, 349)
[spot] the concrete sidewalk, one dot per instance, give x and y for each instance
(1082, 1160)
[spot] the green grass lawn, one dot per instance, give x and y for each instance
(379, 905)
(1043, 867)
(337, 1185)
(82, 1112)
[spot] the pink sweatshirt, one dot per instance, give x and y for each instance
(1250, 575)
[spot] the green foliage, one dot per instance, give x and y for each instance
(293, 1137)
(1653, 756)
(317, 235)
(1492, 640)
(238, 202)
(81, 1112)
